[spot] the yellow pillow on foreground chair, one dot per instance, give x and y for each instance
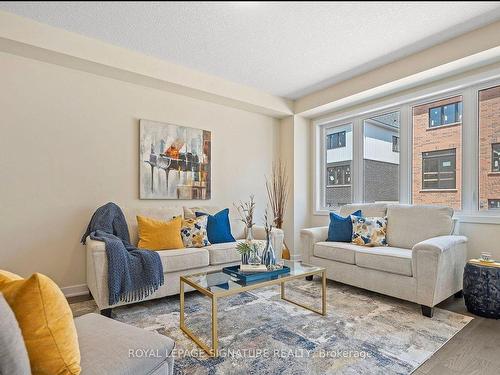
(46, 323)
(159, 235)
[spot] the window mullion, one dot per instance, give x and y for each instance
(405, 155)
(357, 162)
(470, 148)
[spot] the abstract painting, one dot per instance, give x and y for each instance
(174, 161)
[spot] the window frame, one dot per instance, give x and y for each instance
(321, 166)
(441, 115)
(339, 144)
(493, 157)
(439, 172)
(395, 145)
(343, 171)
(468, 87)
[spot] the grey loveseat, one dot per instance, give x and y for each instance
(422, 263)
(175, 262)
(109, 347)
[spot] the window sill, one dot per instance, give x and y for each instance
(337, 186)
(438, 191)
(443, 126)
(494, 174)
(478, 218)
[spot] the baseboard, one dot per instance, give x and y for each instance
(75, 290)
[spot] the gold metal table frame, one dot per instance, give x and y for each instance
(213, 349)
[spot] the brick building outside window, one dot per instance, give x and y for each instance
(489, 149)
(437, 153)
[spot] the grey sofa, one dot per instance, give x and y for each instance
(422, 263)
(175, 262)
(109, 347)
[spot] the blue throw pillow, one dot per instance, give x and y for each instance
(218, 227)
(340, 229)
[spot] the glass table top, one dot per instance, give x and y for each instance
(220, 282)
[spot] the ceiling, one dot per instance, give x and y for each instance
(285, 49)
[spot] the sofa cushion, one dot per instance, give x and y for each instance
(218, 227)
(367, 209)
(194, 232)
(159, 213)
(46, 323)
(111, 347)
(183, 259)
(13, 355)
(387, 259)
(340, 228)
(237, 226)
(159, 234)
(338, 251)
(408, 225)
(369, 231)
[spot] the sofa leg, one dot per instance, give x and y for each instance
(309, 278)
(106, 313)
(459, 294)
(427, 311)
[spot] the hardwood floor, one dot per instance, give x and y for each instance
(475, 350)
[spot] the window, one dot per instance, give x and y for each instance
(335, 140)
(339, 175)
(494, 204)
(439, 169)
(429, 150)
(337, 154)
(395, 143)
(445, 114)
(436, 155)
(489, 148)
(495, 157)
(380, 162)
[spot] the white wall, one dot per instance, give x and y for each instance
(69, 143)
(295, 151)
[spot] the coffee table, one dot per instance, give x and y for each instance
(217, 284)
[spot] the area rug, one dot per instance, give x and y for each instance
(363, 333)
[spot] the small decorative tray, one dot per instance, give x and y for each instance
(234, 271)
(490, 263)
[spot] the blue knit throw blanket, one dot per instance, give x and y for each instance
(133, 274)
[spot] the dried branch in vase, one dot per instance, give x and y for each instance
(268, 223)
(277, 191)
(246, 211)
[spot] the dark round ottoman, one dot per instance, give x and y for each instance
(482, 290)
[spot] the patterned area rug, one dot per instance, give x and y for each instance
(363, 333)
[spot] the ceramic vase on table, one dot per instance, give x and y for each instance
(249, 234)
(248, 240)
(254, 258)
(268, 255)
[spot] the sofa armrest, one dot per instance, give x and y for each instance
(440, 244)
(97, 272)
(277, 237)
(308, 237)
(438, 264)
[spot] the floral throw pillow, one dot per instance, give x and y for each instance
(369, 231)
(194, 232)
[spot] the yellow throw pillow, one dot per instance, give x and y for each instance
(46, 323)
(6, 276)
(158, 234)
